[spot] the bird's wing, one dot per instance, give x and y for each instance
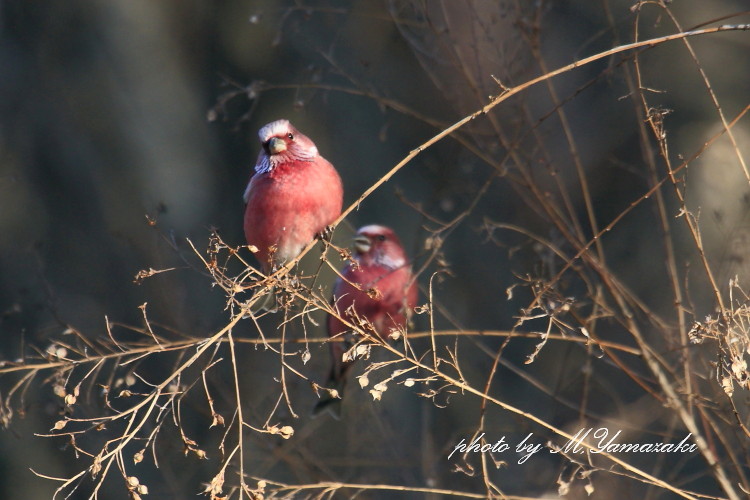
(246, 194)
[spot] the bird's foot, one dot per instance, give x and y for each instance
(325, 234)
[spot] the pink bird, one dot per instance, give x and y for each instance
(294, 195)
(379, 288)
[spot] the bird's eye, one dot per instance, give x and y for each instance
(381, 237)
(290, 136)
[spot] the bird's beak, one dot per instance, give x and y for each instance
(276, 145)
(362, 244)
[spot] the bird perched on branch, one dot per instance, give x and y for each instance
(377, 287)
(293, 196)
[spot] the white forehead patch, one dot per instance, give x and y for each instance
(372, 229)
(273, 129)
(392, 260)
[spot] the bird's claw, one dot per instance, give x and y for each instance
(325, 234)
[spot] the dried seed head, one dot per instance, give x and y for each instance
(362, 351)
(286, 432)
(381, 387)
(217, 420)
(726, 384)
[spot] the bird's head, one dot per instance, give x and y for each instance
(283, 143)
(379, 245)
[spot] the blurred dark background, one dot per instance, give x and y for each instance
(129, 126)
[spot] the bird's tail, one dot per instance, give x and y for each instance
(331, 400)
(328, 404)
(269, 303)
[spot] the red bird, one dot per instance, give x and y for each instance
(379, 288)
(293, 196)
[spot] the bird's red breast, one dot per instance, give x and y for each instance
(379, 288)
(294, 194)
